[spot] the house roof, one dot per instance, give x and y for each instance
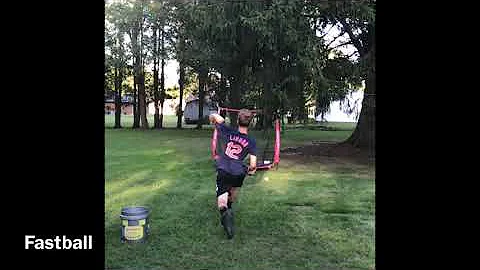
(194, 97)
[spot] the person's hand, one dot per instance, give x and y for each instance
(251, 171)
(212, 118)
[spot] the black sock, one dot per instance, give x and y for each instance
(229, 205)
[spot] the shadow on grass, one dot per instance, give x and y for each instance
(328, 210)
(186, 233)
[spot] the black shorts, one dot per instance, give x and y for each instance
(225, 181)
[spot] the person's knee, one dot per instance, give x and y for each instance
(222, 200)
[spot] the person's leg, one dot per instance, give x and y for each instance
(233, 191)
(222, 201)
(226, 217)
(222, 191)
(233, 194)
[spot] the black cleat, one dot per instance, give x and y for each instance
(227, 222)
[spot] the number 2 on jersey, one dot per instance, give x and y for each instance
(233, 150)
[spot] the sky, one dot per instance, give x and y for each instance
(171, 73)
(337, 115)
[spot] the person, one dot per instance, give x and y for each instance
(231, 170)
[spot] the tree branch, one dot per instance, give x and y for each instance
(313, 16)
(350, 55)
(354, 39)
(341, 34)
(339, 45)
(328, 31)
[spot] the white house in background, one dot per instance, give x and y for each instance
(190, 113)
(169, 106)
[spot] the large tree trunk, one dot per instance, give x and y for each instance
(142, 103)
(118, 99)
(156, 117)
(181, 79)
(181, 83)
(136, 115)
(364, 134)
(139, 81)
(162, 78)
(142, 109)
(139, 76)
(156, 95)
(142, 96)
(202, 81)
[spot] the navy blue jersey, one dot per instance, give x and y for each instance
(236, 147)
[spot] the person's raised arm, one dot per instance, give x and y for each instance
(215, 118)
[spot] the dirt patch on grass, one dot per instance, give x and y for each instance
(329, 153)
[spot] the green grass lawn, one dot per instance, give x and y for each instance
(317, 215)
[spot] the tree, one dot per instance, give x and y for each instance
(115, 30)
(179, 36)
(364, 133)
(341, 77)
(357, 20)
(135, 20)
(181, 83)
(155, 26)
(286, 58)
(196, 51)
(258, 54)
(159, 21)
